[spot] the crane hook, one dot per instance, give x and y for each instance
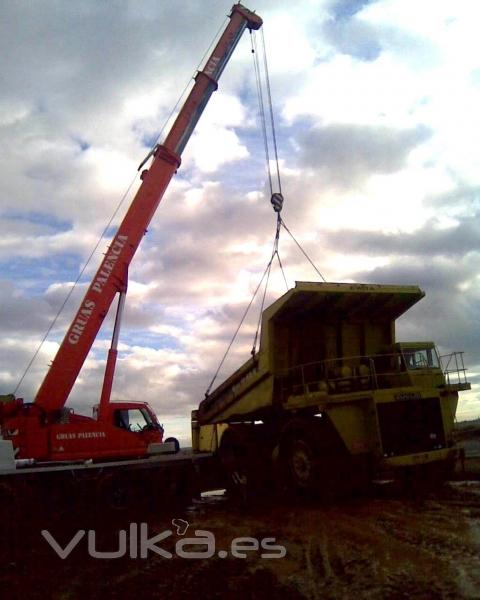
(277, 202)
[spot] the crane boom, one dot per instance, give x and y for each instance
(112, 273)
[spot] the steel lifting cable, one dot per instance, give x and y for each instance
(151, 153)
(276, 199)
(302, 250)
(270, 108)
(274, 253)
(267, 269)
(261, 102)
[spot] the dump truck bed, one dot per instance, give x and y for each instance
(312, 322)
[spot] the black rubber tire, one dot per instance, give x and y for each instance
(245, 456)
(313, 461)
(300, 464)
(176, 443)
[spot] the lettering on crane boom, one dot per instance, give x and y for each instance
(109, 263)
(211, 66)
(86, 310)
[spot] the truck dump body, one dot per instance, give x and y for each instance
(308, 327)
(329, 350)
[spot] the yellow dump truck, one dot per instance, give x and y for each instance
(331, 396)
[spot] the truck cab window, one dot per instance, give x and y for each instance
(420, 358)
(133, 419)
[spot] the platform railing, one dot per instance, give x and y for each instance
(355, 373)
(454, 370)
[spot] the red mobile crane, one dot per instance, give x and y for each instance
(47, 431)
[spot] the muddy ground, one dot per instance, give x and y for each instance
(386, 546)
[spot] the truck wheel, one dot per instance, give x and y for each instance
(245, 454)
(312, 460)
(233, 454)
(299, 462)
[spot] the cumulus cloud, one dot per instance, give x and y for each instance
(20, 313)
(376, 109)
(351, 153)
(430, 240)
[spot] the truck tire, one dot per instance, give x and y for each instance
(313, 459)
(299, 458)
(245, 459)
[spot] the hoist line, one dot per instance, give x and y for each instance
(274, 252)
(263, 119)
(115, 212)
(281, 269)
(238, 328)
(270, 106)
(261, 106)
(276, 199)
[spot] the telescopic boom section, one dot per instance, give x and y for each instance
(111, 275)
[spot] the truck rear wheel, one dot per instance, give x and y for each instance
(245, 461)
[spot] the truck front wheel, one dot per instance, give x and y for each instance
(301, 463)
(312, 458)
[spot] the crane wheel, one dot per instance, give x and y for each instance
(176, 443)
(115, 492)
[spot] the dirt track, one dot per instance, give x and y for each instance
(383, 547)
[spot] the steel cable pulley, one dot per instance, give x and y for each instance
(277, 202)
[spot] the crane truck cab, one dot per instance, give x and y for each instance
(124, 430)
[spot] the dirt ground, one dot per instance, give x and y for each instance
(386, 546)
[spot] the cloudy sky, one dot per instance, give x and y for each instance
(376, 108)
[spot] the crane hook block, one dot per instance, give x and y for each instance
(277, 202)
